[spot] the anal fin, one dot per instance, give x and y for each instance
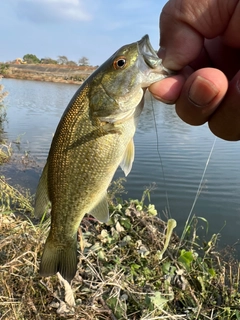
(128, 158)
(100, 211)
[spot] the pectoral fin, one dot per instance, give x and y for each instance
(128, 157)
(101, 211)
(42, 199)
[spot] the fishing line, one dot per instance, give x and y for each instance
(198, 192)
(160, 158)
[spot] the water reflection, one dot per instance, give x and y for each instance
(33, 112)
(34, 109)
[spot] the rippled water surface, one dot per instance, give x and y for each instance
(33, 110)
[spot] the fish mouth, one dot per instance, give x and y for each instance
(150, 56)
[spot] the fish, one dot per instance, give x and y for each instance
(93, 138)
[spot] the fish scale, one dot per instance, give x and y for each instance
(93, 137)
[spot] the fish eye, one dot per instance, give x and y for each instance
(120, 63)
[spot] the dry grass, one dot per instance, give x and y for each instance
(105, 275)
(2, 94)
(5, 153)
(119, 274)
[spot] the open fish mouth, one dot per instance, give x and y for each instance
(150, 56)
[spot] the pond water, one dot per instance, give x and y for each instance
(33, 110)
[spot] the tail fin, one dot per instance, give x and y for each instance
(58, 258)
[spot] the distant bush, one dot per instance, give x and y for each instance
(71, 63)
(48, 61)
(3, 68)
(62, 60)
(83, 61)
(31, 58)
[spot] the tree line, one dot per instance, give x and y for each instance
(63, 60)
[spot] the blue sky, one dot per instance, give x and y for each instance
(75, 28)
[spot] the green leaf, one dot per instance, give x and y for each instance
(101, 255)
(148, 302)
(237, 314)
(118, 207)
(139, 207)
(151, 210)
(186, 258)
(202, 280)
(166, 267)
(125, 222)
(212, 272)
(118, 308)
(134, 267)
(158, 300)
(96, 247)
(205, 220)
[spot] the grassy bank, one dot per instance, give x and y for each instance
(122, 273)
(133, 267)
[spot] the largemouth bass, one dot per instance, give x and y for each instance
(93, 137)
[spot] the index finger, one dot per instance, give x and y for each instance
(184, 25)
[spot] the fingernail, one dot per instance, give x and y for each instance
(167, 60)
(202, 92)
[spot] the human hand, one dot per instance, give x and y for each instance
(202, 41)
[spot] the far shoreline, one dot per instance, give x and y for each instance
(47, 72)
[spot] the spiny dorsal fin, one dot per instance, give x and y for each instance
(100, 211)
(128, 157)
